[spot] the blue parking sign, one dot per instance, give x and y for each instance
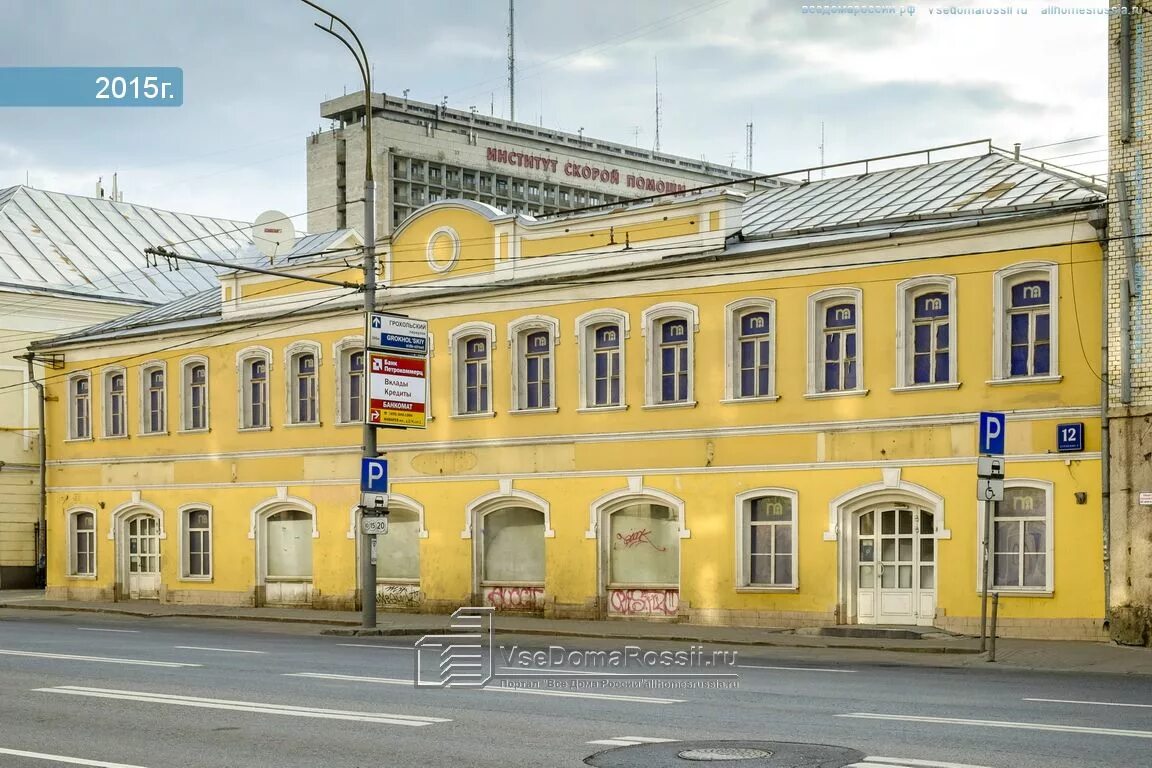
(374, 475)
(991, 434)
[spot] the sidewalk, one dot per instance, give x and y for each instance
(930, 647)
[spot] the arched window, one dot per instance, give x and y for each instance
(1027, 302)
(115, 403)
(926, 332)
(155, 405)
(533, 342)
(471, 348)
(303, 360)
(766, 520)
(601, 336)
(195, 394)
(512, 546)
(80, 407)
(82, 543)
(751, 349)
(670, 330)
(836, 359)
(254, 366)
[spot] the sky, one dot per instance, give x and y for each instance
(256, 71)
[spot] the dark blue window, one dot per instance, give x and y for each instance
(673, 361)
(930, 338)
(1029, 329)
(537, 370)
(755, 348)
(839, 348)
(606, 366)
(475, 375)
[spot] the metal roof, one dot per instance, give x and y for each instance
(55, 242)
(980, 186)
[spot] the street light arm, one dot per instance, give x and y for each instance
(363, 57)
(359, 63)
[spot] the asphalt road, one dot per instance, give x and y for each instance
(116, 692)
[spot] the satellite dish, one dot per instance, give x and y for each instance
(273, 234)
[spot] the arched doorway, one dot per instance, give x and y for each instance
(285, 546)
(397, 555)
(640, 557)
(141, 556)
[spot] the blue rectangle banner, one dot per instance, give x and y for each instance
(91, 87)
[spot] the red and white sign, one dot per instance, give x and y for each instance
(397, 390)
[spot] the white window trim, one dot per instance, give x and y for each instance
(1002, 283)
(146, 369)
(243, 357)
(671, 310)
(71, 383)
(906, 291)
(186, 390)
(455, 336)
(341, 351)
(585, 324)
(182, 513)
(743, 564)
(70, 547)
(816, 302)
(506, 497)
(1049, 547)
(106, 402)
(291, 352)
(732, 348)
(518, 329)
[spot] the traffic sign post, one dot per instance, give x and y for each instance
(990, 490)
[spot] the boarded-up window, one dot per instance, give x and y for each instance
(289, 545)
(644, 546)
(398, 555)
(514, 546)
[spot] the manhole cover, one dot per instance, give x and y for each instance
(723, 753)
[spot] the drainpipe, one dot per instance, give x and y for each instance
(1121, 188)
(1100, 221)
(1126, 78)
(42, 519)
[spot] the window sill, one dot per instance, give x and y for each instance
(674, 587)
(759, 399)
(519, 411)
(927, 387)
(297, 425)
(78, 440)
(481, 415)
(198, 431)
(768, 590)
(1035, 592)
(661, 406)
(602, 408)
(511, 584)
(288, 579)
(1025, 380)
(397, 580)
(80, 577)
(113, 437)
(837, 393)
(152, 434)
(196, 579)
(254, 429)
(349, 424)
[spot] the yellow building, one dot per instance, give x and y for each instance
(720, 408)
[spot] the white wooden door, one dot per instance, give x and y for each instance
(143, 557)
(896, 567)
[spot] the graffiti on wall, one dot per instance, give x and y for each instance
(644, 602)
(515, 598)
(398, 595)
(636, 538)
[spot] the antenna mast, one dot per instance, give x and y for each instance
(656, 143)
(511, 60)
(821, 149)
(748, 146)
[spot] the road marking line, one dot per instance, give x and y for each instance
(107, 659)
(630, 741)
(371, 645)
(1096, 703)
(1003, 724)
(246, 706)
(94, 629)
(221, 650)
(496, 689)
(530, 671)
(64, 759)
(793, 669)
(614, 742)
(905, 762)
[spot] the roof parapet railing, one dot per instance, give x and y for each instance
(1050, 167)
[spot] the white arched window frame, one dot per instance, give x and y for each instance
(196, 542)
(473, 373)
(351, 382)
(908, 292)
(533, 369)
(596, 363)
(302, 387)
(1003, 283)
(81, 544)
(254, 412)
(80, 406)
(745, 353)
(115, 402)
(194, 399)
(154, 398)
(745, 535)
(681, 355)
(849, 343)
(1021, 520)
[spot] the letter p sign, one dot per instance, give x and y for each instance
(374, 475)
(991, 434)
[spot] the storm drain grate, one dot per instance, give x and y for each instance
(723, 753)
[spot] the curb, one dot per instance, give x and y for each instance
(337, 628)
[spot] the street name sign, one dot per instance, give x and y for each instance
(991, 434)
(397, 391)
(397, 334)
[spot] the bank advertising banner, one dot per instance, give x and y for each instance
(397, 390)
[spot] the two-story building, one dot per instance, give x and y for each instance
(721, 408)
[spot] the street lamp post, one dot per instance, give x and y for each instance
(367, 563)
